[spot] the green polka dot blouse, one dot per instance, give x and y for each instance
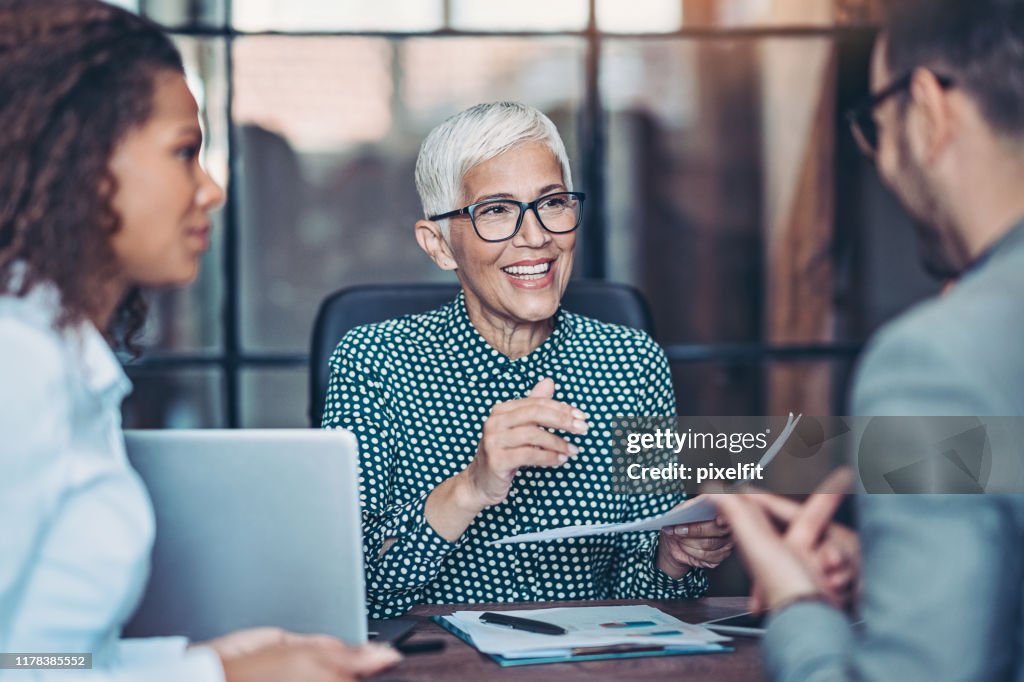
(416, 391)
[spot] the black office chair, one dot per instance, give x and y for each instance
(351, 307)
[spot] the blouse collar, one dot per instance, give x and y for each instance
(475, 357)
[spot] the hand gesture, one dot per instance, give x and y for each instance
(785, 565)
(517, 434)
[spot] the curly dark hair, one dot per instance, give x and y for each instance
(75, 76)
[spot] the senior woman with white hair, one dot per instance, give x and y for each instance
(492, 415)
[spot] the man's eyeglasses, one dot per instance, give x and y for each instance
(496, 220)
(862, 120)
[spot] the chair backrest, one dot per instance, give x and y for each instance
(354, 306)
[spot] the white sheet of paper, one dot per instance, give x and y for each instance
(692, 511)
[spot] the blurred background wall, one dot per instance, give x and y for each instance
(708, 134)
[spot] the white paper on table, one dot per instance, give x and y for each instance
(699, 509)
(584, 626)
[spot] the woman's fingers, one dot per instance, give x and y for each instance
(698, 556)
(368, 659)
(518, 433)
(549, 414)
(706, 544)
(704, 529)
(531, 436)
(535, 457)
(545, 388)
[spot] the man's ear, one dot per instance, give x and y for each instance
(933, 117)
(430, 239)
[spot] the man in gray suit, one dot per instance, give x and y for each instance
(943, 576)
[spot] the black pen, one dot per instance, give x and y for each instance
(525, 624)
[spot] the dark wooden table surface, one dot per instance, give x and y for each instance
(459, 661)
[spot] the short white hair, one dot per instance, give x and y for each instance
(471, 137)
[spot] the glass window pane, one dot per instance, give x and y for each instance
(337, 15)
(639, 16)
(751, 13)
(329, 132)
(815, 387)
(525, 15)
(189, 318)
(274, 398)
(721, 186)
(174, 398)
(185, 13)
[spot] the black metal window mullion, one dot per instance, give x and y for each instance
(592, 151)
(232, 337)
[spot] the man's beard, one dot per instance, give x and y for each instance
(931, 225)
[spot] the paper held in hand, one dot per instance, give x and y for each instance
(698, 509)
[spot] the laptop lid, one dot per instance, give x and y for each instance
(254, 528)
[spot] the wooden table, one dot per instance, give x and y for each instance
(459, 661)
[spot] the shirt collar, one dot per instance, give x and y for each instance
(1012, 240)
(101, 371)
(474, 357)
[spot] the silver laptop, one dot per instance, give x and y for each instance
(254, 527)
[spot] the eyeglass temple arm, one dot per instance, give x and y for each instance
(450, 214)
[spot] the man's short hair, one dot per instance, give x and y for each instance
(471, 137)
(979, 43)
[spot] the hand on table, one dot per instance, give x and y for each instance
(515, 435)
(693, 545)
(271, 654)
(785, 566)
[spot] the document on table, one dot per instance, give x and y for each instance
(588, 627)
(699, 509)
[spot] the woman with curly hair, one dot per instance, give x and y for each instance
(101, 194)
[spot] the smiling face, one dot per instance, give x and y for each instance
(163, 195)
(520, 280)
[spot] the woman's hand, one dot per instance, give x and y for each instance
(270, 654)
(693, 545)
(241, 642)
(515, 435)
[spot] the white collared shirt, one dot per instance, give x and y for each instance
(76, 523)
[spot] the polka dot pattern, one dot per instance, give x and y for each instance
(416, 391)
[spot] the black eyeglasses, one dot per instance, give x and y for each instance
(861, 117)
(496, 220)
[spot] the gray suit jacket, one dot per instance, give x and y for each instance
(943, 575)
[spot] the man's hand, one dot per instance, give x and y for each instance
(784, 566)
(837, 551)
